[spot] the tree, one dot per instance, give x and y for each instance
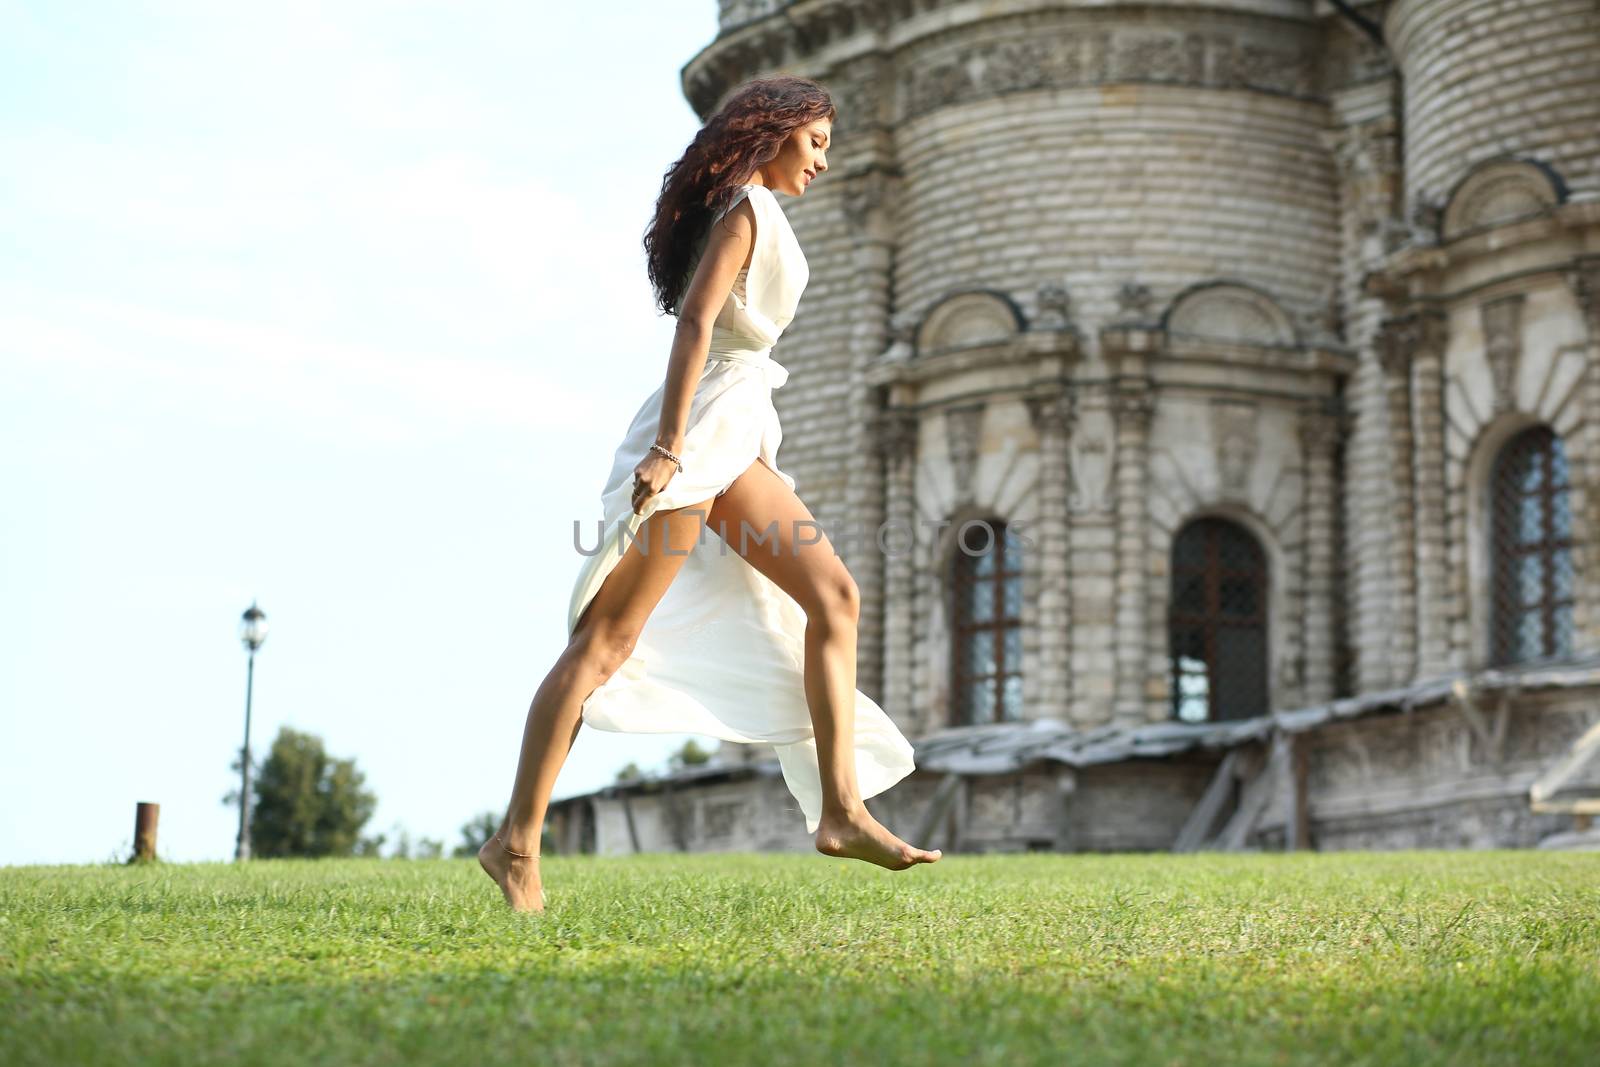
(475, 832)
(690, 755)
(306, 802)
(630, 772)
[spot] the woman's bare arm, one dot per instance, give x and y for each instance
(729, 246)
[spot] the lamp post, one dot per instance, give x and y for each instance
(252, 631)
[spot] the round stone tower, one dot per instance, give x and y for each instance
(1074, 269)
(1223, 306)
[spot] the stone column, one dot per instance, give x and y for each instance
(1583, 277)
(1091, 454)
(1319, 442)
(1134, 407)
(894, 434)
(1435, 599)
(873, 254)
(1394, 352)
(1050, 685)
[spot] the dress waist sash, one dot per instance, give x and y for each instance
(735, 349)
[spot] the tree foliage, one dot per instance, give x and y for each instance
(690, 755)
(306, 802)
(475, 832)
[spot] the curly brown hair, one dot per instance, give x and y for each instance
(747, 132)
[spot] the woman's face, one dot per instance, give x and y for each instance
(803, 156)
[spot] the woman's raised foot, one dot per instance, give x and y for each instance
(859, 836)
(517, 876)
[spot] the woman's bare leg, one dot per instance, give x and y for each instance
(819, 581)
(600, 644)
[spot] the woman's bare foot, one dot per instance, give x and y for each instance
(517, 876)
(861, 837)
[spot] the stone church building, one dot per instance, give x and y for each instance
(1223, 379)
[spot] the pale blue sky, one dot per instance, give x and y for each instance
(340, 307)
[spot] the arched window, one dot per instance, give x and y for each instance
(1217, 622)
(986, 660)
(1531, 544)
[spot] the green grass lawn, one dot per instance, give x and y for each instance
(1350, 958)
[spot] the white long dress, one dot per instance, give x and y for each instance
(723, 653)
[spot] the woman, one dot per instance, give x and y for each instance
(751, 637)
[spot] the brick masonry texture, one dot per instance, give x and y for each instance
(1232, 210)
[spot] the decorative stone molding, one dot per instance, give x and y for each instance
(1091, 456)
(1583, 278)
(1401, 337)
(1074, 57)
(1320, 424)
(1053, 307)
(1502, 334)
(963, 427)
(968, 319)
(894, 433)
(1234, 433)
(867, 203)
(1498, 191)
(902, 337)
(1050, 411)
(1134, 300)
(738, 12)
(1224, 311)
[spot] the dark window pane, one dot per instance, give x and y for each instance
(1217, 623)
(982, 561)
(980, 602)
(1189, 596)
(1530, 635)
(1528, 474)
(1530, 520)
(1238, 549)
(980, 652)
(980, 701)
(1013, 647)
(1530, 579)
(1012, 591)
(1191, 689)
(1011, 697)
(1189, 548)
(1561, 572)
(1562, 637)
(1531, 563)
(1241, 673)
(1238, 596)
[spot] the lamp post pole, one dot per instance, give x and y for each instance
(252, 631)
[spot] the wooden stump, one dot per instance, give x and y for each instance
(144, 832)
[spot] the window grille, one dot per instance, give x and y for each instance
(1532, 575)
(986, 581)
(1217, 622)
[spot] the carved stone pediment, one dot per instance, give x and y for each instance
(1227, 312)
(1496, 192)
(966, 320)
(1502, 335)
(1235, 437)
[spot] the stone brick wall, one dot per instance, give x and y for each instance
(1488, 78)
(1228, 258)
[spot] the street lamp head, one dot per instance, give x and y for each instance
(253, 627)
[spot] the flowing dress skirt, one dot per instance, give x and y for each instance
(723, 653)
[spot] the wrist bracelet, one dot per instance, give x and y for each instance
(669, 455)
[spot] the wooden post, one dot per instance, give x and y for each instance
(937, 809)
(1197, 828)
(144, 832)
(1296, 812)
